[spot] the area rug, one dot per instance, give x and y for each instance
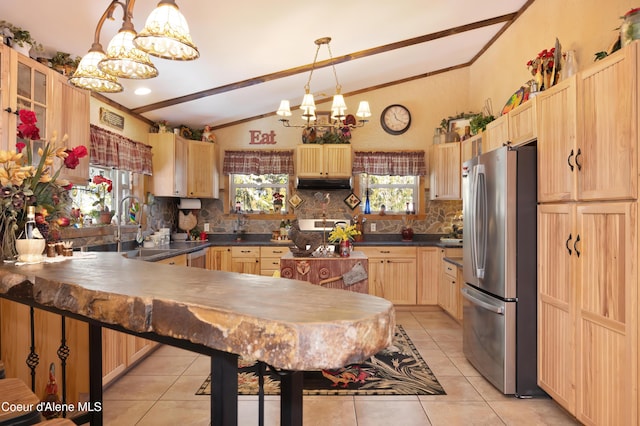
(396, 370)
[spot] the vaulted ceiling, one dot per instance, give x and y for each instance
(253, 53)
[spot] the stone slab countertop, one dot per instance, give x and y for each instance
(288, 324)
(457, 261)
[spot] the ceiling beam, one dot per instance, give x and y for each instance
(306, 68)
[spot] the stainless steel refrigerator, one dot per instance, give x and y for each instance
(499, 255)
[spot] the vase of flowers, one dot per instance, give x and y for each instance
(27, 180)
(545, 69)
(343, 235)
(101, 186)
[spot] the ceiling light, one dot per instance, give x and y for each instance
(141, 91)
(338, 108)
(88, 75)
(166, 34)
(124, 59)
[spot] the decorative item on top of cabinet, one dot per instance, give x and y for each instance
(445, 172)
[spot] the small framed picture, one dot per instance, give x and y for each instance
(295, 201)
(352, 201)
(323, 118)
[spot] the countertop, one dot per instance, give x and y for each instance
(454, 260)
(288, 324)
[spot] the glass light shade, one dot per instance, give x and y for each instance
(166, 34)
(88, 75)
(285, 109)
(338, 107)
(363, 110)
(125, 60)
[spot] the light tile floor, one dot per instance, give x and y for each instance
(161, 391)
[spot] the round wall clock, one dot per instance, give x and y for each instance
(395, 119)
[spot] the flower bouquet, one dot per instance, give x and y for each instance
(343, 235)
(102, 187)
(32, 181)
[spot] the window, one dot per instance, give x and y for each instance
(86, 197)
(254, 193)
(399, 194)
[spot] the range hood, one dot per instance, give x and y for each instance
(323, 183)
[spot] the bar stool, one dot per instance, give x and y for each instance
(19, 404)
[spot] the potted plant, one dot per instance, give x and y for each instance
(102, 186)
(19, 37)
(277, 202)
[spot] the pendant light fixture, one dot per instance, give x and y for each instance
(338, 108)
(88, 75)
(166, 35)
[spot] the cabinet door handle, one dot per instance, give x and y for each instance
(577, 163)
(385, 251)
(575, 245)
(569, 160)
(566, 244)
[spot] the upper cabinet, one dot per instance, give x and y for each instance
(202, 171)
(496, 133)
(182, 167)
(169, 165)
(60, 107)
(323, 160)
(445, 171)
(514, 128)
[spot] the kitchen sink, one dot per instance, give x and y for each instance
(146, 252)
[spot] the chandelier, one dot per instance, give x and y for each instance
(339, 118)
(165, 35)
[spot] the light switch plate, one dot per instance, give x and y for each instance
(373, 227)
(206, 227)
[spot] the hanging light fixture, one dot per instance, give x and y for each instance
(88, 75)
(124, 59)
(338, 108)
(166, 34)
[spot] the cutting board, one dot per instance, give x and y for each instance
(186, 222)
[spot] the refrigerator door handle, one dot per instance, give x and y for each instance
(487, 306)
(479, 231)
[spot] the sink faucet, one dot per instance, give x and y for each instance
(119, 222)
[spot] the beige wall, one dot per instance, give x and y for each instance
(134, 128)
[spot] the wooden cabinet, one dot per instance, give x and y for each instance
(392, 273)
(70, 116)
(496, 134)
(219, 258)
(330, 160)
(470, 148)
(449, 287)
(587, 321)
(556, 112)
(522, 124)
(270, 259)
(179, 260)
(169, 165)
(428, 277)
(245, 259)
(588, 243)
(24, 84)
(202, 171)
(445, 171)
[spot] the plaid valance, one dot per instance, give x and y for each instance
(396, 163)
(257, 162)
(110, 149)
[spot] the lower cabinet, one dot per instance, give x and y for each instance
(219, 258)
(392, 273)
(449, 297)
(245, 259)
(180, 260)
(428, 279)
(270, 259)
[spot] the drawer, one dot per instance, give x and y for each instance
(270, 263)
(248, 251)
(450, 269)
(387, 252)
(273, 251)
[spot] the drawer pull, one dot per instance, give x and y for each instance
(385, 251)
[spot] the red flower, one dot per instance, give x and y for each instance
(27, 129)
(20, 146)
(74, 155)
(98, 179)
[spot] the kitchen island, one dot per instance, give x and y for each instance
(290, 325)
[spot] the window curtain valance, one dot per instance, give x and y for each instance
(397, 163)
(257, 162)
(110, 149)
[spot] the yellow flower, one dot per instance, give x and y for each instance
(340, 233)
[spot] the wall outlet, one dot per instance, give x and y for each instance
(206, 227)
(373, 227)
